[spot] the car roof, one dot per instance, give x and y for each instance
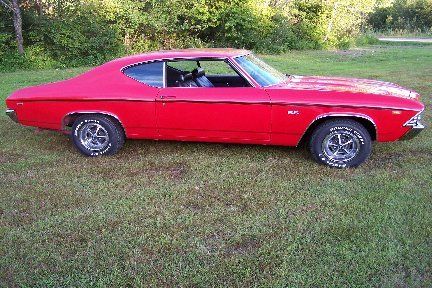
(183, 53)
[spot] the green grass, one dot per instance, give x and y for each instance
(196, 214)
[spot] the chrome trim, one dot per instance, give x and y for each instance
(90, 112)
(363, 116)
(413, 132)
(241, 71)
(122, 71)
(179, 59)
(416, 126)
(415, 119)
(212, 101)
(256, 84)
(231, 62)
(335, 149)
(320, 104)
(94, 137)
(12, 114)
(164, 85)
(346, 115)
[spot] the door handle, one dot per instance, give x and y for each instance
(167, 97)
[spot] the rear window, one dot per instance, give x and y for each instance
(147, 73)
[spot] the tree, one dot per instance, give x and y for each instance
(14, 7)
(38, 6)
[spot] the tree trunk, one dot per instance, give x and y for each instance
(38, 6)
(330, 24)
(17, 20)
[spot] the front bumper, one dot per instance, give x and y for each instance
(415, 130)
(415, 125)
(12, 114)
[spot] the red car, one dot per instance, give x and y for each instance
(219, 95)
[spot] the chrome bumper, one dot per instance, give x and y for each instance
(12, 114)
(415, 130)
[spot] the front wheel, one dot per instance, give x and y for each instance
(96, 135)
(340, 143)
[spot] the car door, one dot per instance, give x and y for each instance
(227, 81)
(213, 113)
(235, 114)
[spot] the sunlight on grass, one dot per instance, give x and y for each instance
(196, 214)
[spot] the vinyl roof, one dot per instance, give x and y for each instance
(185, 53)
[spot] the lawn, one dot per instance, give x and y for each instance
(194, 214)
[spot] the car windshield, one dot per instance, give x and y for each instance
(261, 72)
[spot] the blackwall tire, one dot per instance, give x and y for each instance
(340, 143)
(97, 135)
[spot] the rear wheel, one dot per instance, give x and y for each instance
(96, 135)
(340, 143)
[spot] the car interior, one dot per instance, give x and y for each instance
(191, 73)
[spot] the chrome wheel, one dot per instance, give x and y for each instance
(94, 136)
(341, 146)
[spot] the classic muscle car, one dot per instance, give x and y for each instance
(219, 95)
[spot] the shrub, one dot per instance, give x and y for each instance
(410, 16)
(81, 37)
(88, 32)
(366, 39)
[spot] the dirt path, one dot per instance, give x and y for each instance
(400, 39)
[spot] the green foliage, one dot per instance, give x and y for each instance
(366, 39)
(6, 35)
(75, 35)
(411, 16)
(89, 32)
(5, 41)
(34, 58)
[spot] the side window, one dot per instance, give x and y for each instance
(203, 73)
(147, 73)
(185, 65)
(217, 68)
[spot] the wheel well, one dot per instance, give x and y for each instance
(69, 119)
(370, 126)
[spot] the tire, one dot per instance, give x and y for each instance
(96, 135)
(340, 143)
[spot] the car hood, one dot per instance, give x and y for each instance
(353, 85)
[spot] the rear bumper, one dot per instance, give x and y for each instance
(414, 131)
(12, 114)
